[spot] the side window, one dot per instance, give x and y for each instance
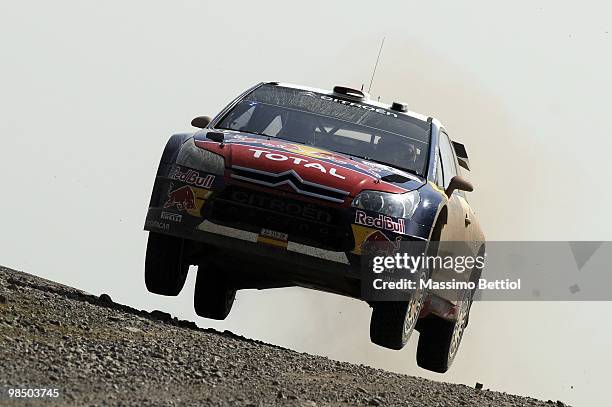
(240, 120)
(448, 159)
(439, 175)
(274, 127)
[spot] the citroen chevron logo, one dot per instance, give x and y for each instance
(291, 178)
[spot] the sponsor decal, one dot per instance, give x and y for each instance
(188, 199)
(359, 105)
(182, 199)
(379, 243)
(308, 151)
(174, 217)
(362, 166)
(157, 225)
(293, 208)
(372, 241)
(193, 177)
(380, 222)
(274, 156)
(315, 152)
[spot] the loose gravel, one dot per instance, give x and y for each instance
(98, 352)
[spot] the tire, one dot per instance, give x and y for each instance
(165, 272)
(213, 297)
(393, 322)
(439, 339)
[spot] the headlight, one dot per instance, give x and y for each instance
(395, 205)
(192, 156)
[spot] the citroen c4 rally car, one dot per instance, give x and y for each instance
(285, 186)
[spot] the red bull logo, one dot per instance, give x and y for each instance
(183, 198)
(380, 222)
(377, 243)
(193, 177)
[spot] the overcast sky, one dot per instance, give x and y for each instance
(90, 91)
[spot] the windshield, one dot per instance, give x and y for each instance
(315, 119)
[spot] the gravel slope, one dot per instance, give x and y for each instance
(101, 353)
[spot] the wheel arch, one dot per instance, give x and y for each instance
(477, 271)
(166, 161)
(170, 152)
(439, 221)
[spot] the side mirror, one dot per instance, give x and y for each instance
(458, 183)
(201, 122)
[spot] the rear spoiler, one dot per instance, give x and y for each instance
(462, 156)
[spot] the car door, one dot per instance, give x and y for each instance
(455, 233)
(470, 229)
(455, 229)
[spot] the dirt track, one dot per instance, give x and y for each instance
(97, 352)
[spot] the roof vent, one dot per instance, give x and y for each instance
(350, 93)
(399, 107)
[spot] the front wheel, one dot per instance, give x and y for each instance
(392, 322)
(214, 296)
(165, 272)
(439, 339)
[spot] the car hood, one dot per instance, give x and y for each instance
(308, 170)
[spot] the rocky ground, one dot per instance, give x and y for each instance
(97, 352)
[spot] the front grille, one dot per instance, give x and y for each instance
(292, 179)
(304, 222)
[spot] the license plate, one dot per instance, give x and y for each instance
(273, 237)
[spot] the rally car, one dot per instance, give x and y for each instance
(287, 185)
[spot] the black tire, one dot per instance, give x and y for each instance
(439, 340)
(393, 322)
(165, 272)
(213, 297)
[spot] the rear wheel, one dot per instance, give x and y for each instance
(214, 296)
(439, 339)
(165, 272)
(392, 322)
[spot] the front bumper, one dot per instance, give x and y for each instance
(239, 253)
(297, 264)
(227, 218)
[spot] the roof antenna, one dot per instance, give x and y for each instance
(376, 65)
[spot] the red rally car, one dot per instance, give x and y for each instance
(286, 186)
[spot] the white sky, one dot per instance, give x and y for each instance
(90, 91)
